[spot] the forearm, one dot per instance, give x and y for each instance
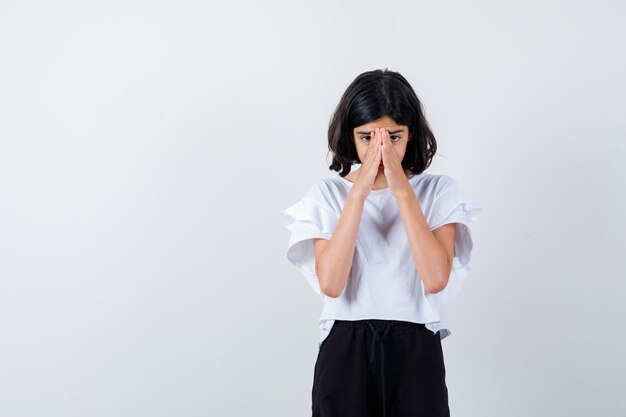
(429, 255)
(335, 261)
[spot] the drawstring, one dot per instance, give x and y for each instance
(376, 337)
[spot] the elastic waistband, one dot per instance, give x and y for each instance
(378, 323)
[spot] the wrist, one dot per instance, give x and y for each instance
(404, 192)
(357, 194)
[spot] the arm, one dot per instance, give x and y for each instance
(333, 258)
(432, 251)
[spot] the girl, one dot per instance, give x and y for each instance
(385, 247)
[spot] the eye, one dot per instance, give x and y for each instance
(391, 137)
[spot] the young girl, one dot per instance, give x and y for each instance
(385, 247)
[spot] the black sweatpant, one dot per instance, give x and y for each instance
(380, 368)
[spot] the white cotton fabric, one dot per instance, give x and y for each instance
(383, 282)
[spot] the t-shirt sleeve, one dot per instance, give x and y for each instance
(311, 217)
(452, 205)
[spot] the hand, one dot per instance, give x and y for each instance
(369, 168)
(394, 172)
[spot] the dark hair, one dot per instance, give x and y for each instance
(371, 96)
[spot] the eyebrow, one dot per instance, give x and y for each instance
(391, 133)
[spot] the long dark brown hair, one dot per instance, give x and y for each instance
(371, 96)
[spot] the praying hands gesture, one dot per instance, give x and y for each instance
(392, 165)
(381, 158)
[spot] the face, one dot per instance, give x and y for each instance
(398, 135)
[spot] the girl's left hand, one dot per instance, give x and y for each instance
(394, 173)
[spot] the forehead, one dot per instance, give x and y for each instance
(386, 123)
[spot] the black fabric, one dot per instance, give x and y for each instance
(380, 368)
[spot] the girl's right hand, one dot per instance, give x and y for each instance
(372, 166)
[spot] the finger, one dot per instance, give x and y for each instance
(372, 148)
(389, 140)
(386, 143)
(370, 152)
(389, 146)
(383, 147)
(367, 153)
(379, 151)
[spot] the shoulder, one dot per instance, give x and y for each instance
(442, 180)
(325, 193)
(439, 190)
(438, 183)
(449, 193)
(446, 182)
(321, 189)
(431, 184)
(327, 189)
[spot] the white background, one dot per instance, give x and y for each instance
(146, 149)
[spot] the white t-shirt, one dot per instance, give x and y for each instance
(383, 282)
